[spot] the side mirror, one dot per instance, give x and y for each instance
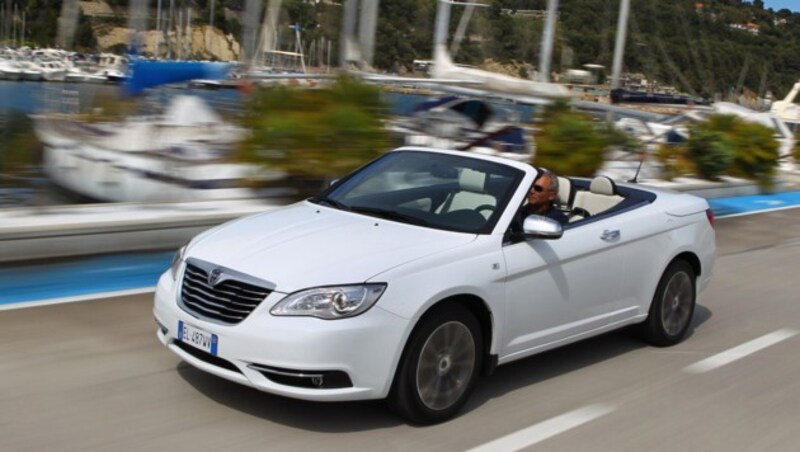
(537, 226)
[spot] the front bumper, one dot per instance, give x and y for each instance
(366, 348)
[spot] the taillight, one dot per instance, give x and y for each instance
(710, 216)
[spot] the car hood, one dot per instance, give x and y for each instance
(306, 245)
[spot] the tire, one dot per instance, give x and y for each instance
(439, 366)
(673, 306)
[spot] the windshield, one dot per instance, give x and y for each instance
(428, 189)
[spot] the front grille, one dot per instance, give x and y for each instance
(230, 301)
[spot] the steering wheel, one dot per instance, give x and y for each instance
(579, 211)
(483, 207)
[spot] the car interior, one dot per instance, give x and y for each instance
(472, 195)
(581, 199)
(465, 198)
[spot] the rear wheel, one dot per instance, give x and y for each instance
(673, 306)
(439, 366)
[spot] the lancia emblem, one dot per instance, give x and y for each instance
(213, 277)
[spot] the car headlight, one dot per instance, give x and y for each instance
(330, 302)
(176, 262)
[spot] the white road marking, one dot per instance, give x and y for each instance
(756, 212)
(772, 202)
(87, 297)
(544, 430)
(748, 348)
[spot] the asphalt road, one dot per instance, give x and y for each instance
(92, 376)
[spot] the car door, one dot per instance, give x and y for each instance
(559, 288)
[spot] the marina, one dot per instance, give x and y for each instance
(71, 139)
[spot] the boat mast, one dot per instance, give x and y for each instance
(619, 46)
(179, 32)
(366, 30)
(168, 29)
(347, 46)
(251, 20)
(269, 29)
(189, 40)
(546, 54)
(14, 30)
(137, 17)
(462, 28)
(158, 31)
(442, 23)
(210, 29)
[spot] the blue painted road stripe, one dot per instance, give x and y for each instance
(80, 279)
(742, 205)
(75, 278)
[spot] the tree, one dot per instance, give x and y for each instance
(711, 151)
(319, 134)
(569, 143)
(754, 149)
(84, 35)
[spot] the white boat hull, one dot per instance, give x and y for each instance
(146, 160)
(116, 177)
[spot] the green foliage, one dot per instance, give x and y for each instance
(404, 32)
(569, 143)
(84, 35)
(670, 41)
(796, 149)
(20, 150)
(694, 50)
(756, 153)
(710, 150)
(323, 133)
(615, 137)
(111, 108)
(674, 161)
(754, 149)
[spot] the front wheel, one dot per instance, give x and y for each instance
(672, 307)
(439, 366)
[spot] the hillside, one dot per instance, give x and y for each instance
(709, 48)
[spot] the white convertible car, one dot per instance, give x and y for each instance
(415, 274)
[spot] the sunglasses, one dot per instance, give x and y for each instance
(538, 188)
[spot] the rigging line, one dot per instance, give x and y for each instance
(702, 75)
(648, 60)
(742, 75)
(462, 28)
(707, 53)
(609, 14)
(762, 87)
(671, 64)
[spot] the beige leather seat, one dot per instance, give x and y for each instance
(471, 195)
(602, 195)
(565, 194)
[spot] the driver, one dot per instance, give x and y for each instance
(542, 195)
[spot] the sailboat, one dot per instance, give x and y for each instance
(182, 154)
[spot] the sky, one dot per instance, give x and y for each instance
(793, 5)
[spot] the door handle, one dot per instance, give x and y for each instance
(610, 235)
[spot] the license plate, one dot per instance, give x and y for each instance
(197, 338)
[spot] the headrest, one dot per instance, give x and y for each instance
(603, 185)
(564, 191)
(472, 180)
